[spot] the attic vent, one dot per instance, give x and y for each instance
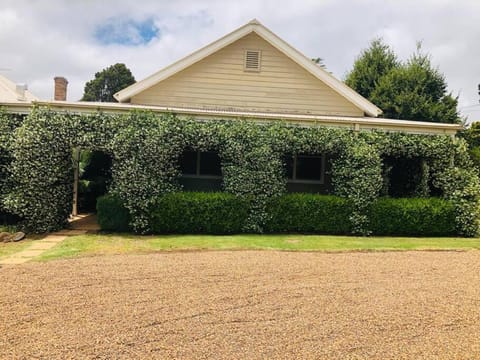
(252, 60)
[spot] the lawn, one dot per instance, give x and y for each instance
(7, 249)
(86, 245)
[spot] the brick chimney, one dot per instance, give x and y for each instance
(60, 88)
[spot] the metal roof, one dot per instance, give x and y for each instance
(9, 94)
(354, 123)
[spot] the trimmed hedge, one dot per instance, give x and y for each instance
(308, 213)
(223, 213)
(202, 213)
(112, 215)
(413, 217)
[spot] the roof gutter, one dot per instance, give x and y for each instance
(355, 123)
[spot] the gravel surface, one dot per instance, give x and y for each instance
(244, 305)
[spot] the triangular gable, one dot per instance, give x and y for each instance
(252, 27)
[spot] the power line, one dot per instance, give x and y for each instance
(470, 106)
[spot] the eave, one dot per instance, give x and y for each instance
(354, 123)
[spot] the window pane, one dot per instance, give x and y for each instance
(188, 163)
(289, 166)
(309, 168)
(210, 164)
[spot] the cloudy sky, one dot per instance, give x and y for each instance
(45, 38)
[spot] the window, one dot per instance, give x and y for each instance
(303, 168)
(252, 60)
(201, 164)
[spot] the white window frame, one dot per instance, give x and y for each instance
(294, 179)
(197, 174)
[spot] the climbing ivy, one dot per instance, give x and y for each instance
(146, 149)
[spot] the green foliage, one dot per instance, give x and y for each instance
(145, 150)
(8, 124)
(42, 171)
(308, 213)
(223, 213)
(417, 91)
(112, 215)
(372, 64)
(108, 82)
(463, 189)
(413, 90)
(475, 155)
(357, 176)
(472, 136)
(413, 217)
(199, 213)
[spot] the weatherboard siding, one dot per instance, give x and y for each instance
(220, 82)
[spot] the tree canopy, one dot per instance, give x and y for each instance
(372, 64)
(472, 136)
(107, 82)
(410, 90)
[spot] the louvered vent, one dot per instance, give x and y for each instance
(252, 60)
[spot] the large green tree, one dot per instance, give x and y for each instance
(411, 90)
(372, 64)
(472, 136)
(107, 82)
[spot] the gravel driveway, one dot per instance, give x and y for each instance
(244, 305)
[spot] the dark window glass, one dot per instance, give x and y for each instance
(188, 163)
(309, 168)
(289, 164)
(210, 164)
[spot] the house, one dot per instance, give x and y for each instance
(249, 73)
(252, 73)
(11, 93)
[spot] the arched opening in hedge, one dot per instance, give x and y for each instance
(94, 178)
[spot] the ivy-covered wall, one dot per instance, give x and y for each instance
(146, 148)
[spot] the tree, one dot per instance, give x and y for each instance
(472, 136)
(416, 90)
(372, 64)
(411, 90)
(107, 82)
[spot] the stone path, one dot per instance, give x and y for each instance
(79, 225)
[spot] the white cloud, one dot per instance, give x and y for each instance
(43, 39)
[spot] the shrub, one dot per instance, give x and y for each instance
(112, 214)
(413, 217)
(309, 213)
(223, 213)
(145, 148)
(196, 212)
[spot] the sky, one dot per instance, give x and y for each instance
(41, 39)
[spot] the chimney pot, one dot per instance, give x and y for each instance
(60, 88)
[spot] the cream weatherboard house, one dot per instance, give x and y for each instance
(249, 73)
(252, 73)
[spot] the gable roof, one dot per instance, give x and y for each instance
(253, 26)
(9, 94)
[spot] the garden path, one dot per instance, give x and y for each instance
(79, 225)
